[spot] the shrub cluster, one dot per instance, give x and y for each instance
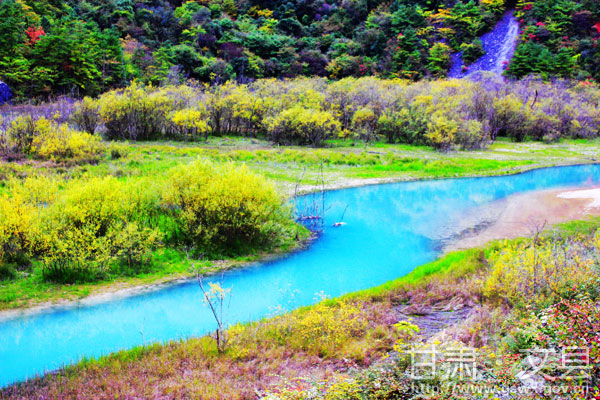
(568, 329)
(325, 330)
(299, 125)
(138, 113)
(86, 116)
(444, 114)
(550, 310)
(89, 228)
(537, 272)
(47, 140)
(93, 223)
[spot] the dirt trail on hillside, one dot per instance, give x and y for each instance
(523, 215)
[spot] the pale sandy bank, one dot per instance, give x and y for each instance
(525, 214)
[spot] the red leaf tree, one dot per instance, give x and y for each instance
(34, 34)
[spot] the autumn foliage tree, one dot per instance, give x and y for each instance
(34, 34)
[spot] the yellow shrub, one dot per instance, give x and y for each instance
(298, 125)
(136, 113)
(304, 97)
(132, 244)
(192, 122)
(248, 109)
(235, 109)
(17, 220)
(224, 209)
(364, 121)
(47, 140)
(441, 132)
(90, 225)
(61, 143)
(84, 228)
(322, 329)
(348, 389)
(20, 134)
(36, 190)
(528, 273)
(511, 117)
(471, 135)
(20, 216)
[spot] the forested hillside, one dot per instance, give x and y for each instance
(84, 47)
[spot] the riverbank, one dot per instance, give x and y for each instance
(49, 296)
(294, 170)
(526, 215)
(344, 164)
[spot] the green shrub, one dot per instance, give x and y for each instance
(7, 272)
(439, 59)
(407, 125)
(472, 51)
(86, 115)
(115, 154)
(20, 135)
